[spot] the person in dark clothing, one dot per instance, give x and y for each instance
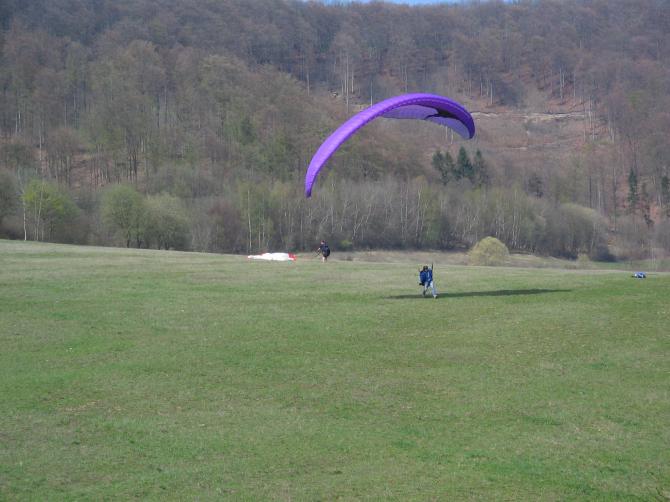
(426, 280)
(324, 250)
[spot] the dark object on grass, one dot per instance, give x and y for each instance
(640, 275)
(324, 250)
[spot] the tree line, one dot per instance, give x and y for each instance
(390, 213)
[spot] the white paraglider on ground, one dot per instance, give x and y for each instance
(272, 257)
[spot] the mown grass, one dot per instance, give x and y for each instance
(143, 374)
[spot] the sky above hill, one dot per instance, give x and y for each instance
(408, 2)
(419, 2)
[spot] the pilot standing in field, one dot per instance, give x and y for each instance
(324, 250)
(426, 280)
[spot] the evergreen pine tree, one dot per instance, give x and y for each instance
(463, 165)
(645, 205)
(438, 165)
(535, 185)
(444, 164)
(480, 170)
(449, 165)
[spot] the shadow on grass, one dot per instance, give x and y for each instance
(500, 292)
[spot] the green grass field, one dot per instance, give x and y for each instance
(146, 374)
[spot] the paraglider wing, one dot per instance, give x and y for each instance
(431, 107)
(273, 257)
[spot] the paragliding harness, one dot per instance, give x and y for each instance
(425, 276)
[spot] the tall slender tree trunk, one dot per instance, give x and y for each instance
(25, 227)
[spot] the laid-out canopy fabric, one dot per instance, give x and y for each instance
(273, 257)
(431, 107)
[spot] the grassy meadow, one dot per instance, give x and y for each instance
(163, 375)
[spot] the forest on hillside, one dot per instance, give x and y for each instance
(189, 124)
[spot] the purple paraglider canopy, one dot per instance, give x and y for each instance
(431, 107)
